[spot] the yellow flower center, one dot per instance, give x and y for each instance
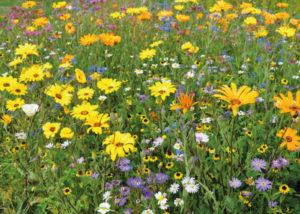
(235, 102)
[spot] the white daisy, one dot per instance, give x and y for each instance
(178, 201)
(104, 208)
(161, 197)
(188, 181)
(164, 206)
(147, 212)
(192, 188)
(21, 135)
(206, 120)
(175, 65)
(174, 188)
(106, 196)
(102, 98)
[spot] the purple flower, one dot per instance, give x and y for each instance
(272, 204)
(142, 97)
(263, 184)
(125, 168)
(276, 164)
(134, 182)
(122, 201)
(108, 186)
(246, 193)
(235, 183)
(116, 182)
(128, 211)
(283, 162)
(125, 191)
(80, 160)
(161, 178)
(258, 164)
(95, 175)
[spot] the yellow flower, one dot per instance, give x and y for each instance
(186, 46)
(236, 98)
(50, 129)
(12, 105)
(29, 4)
(66, 133)
(15, 62)
(288, 104)
(292, 140)
(179, 7)
(147, 54)
(6, 119)
(67, 191)
(284, 189)
(85, 93)
(119, 144)
(88, 39)
(27, 49)
(286, 31)
(220, 6)
(7, 83)
(108, 85)
(250, 21)
(33, 74)
(162, 89)
(83, 111)
(97, 122)
(60, 93)
(41, 21)
(80, 76)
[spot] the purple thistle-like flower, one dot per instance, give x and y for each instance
(258, 164)
(125, 191)
(161, 178)
(263, 184)
(235, 183)
(108, 186)
(95, 175)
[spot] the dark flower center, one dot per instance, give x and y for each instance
(235, 102)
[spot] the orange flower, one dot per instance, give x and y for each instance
(69, 27)
(186, 102)
(182, 18)
(292, 140)
(88, 39)
(288, 104)
(65, 16)
(164, 13)
(109, 39)
(144, 15)
(67, 58)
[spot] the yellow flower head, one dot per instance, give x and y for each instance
(119, 144)
(27, 49)
(80, 76)
(236, 98)
(108, 85)
(162, 90)
(50, 129)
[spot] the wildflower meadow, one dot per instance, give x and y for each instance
(149, 106)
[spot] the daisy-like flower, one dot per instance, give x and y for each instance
(80, 76)
(27, 49)
(286, 31)
(162, 90)
(178, 202)
(147, 212)
(7, 83)
(258, 164)
(108, 85)
(6, 119)
(263, 184)
(88, 39)
(109, 39)
(192, 188)
(12, 105)
(284, 189)
(106, 196)
(236, 98)
(174, 188)
(185, 101)
(85, 93)
(97, 122)
(102, 98)
(201, 137)
(21, 135)
(50, 129)
(83, 111)
(147, 53)
(161, 198)
(188, 181)
(292, 140)
(104, 208)
(235, 183)
(164, 206)
(288, 104)
(118, 144)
